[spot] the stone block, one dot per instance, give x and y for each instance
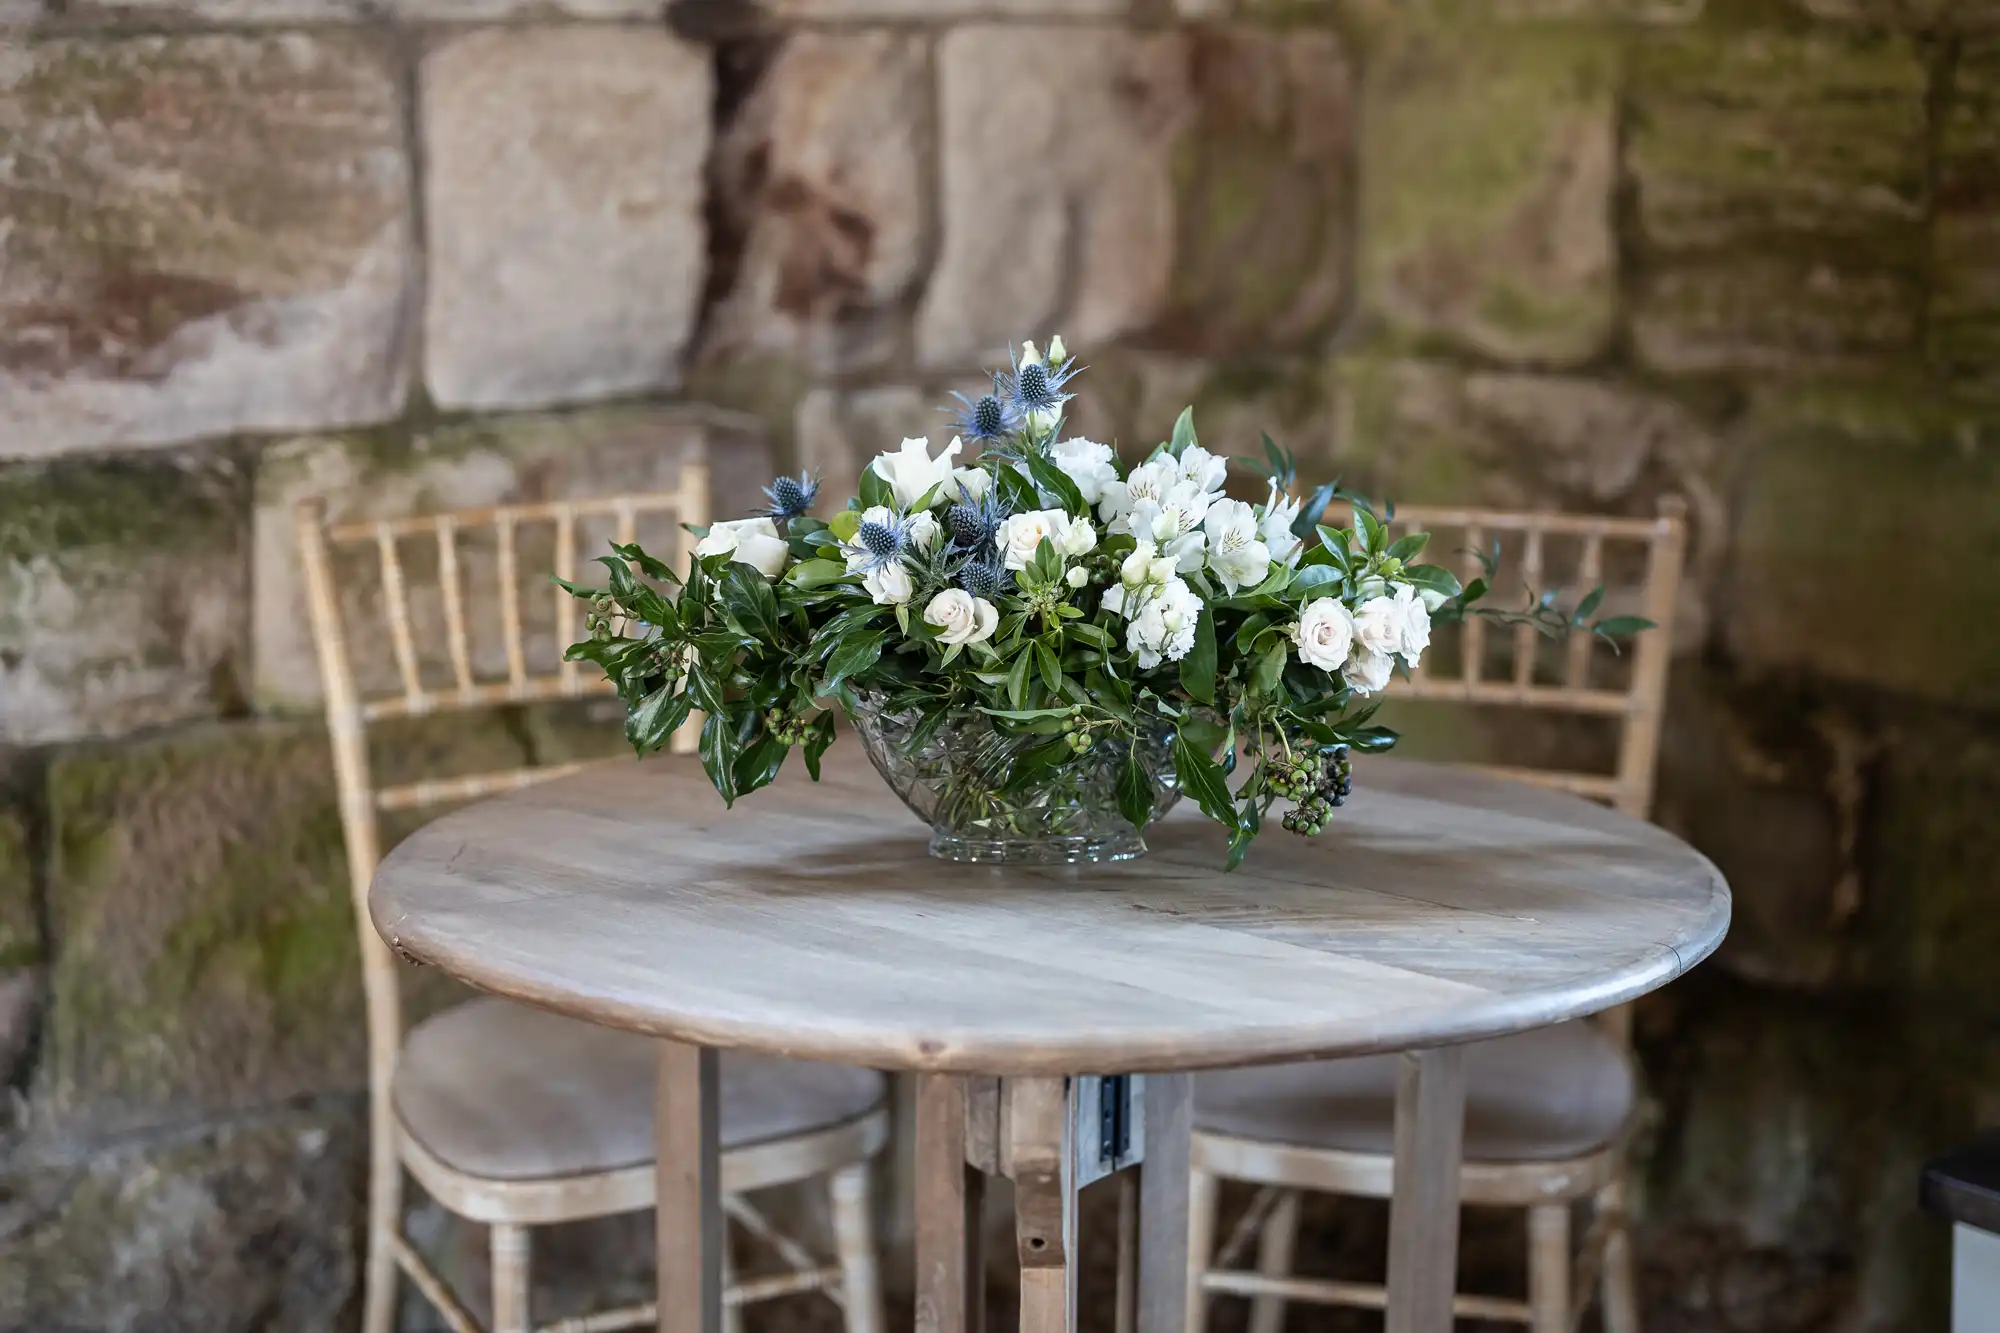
(245, 1226)
(841, 430)
(123, 590)
(1489, 159)
(289, 11)
(1186, 188)
(944, 10)
(1840, 517)
(1779, 182)
(207, 234)
(204, 945)
(820, 177)
(20, 926)
(1964, 316)
(20, 11)
(563, 202)
(497, 460)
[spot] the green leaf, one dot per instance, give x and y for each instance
(1025, 714)
(1314, 576)
(1586, 608)
(1094, 635)
(1183, 432)
(1270, 667)
(644, 721)
(816, 743)
(719, 748)
(1017, 678)
(1055, 481)
(1245, 834)
(1135, 791)
(1408, 548)
(854, 657)
(1314, 509)
(874, 490)
(747, 596)
(1202, 778)
(1016, 490)
(1051, 666)
(759, 764)
(845, 524)
(1620, 627)
(816, 573)
(1031, 767)
(1247, 632)
(1198, 667)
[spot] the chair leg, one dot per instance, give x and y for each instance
(1621, 1280)
(1204, 1188)
(510, 1278)
(854, 1240)
(1274, 1259)
(385, 1220)
(1549, 1268)
(732, 1314)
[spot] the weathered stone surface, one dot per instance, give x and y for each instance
(20, 11)
(1779, 1193)
(1142, 395)
(1489, 165)
(234, 1229)
(1188, 187)
(941, 9)
(497, 460)
(1830, 520)
(274, 11)
(1964, 316)
(1925, 16)
(204, 940)
(563, 195)
(20, 931)
(123, 589)
(208, 234)
(1780, 183)
(821, 173)
(840, 430)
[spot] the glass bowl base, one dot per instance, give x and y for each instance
(1044, 851)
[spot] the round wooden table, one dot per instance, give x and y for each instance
(1441, 907)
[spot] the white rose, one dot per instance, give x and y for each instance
(911, 471)
(1164, 629)
(1087, 463)
(889, 585)
(1202, 469)
(961, 617)
(1413, 619)
(748, 541)
(1020, 535)
(1324, 635)
(1235, 553)
(1280, 512)
(1378, 626)
(967, 483)
(921, 529)
(1074, 536)
(1367, 672)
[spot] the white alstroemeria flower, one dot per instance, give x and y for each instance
(1174, 524)
(911, 471)
(748, 541)
(1164, 628)
(1324, 636)
(1141, 575)
(1021, 534)
(1074, 536)
(1280, 512)
(1148, 481)
(889, 585)
(921, 529)
(967, 483)
(961, 617)
(1236, 554)
(1366, 672)
(1087, 463)
(1202, 469)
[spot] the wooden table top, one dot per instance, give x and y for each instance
(1440, 906)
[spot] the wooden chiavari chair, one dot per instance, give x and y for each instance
(1548, 1111)
(507, 1115)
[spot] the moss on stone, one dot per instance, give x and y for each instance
(157, 504)
(20, 930)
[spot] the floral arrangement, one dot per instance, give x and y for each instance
(1132, 628)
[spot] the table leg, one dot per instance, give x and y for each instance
(1042, 1152)
(951, 1272)
(1163, 1203)
(688, 1217)
(1423, 1215)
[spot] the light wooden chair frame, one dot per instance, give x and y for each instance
(842, 1152)
(1547, 1190)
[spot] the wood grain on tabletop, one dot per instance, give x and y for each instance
(1440, 906)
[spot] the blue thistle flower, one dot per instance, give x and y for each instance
(881, 543)
(791, 496)
(972, 523)
(991, 416)
(1037, 386)
(983, 577)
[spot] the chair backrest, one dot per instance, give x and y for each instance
(479, 669)
(1639, 562)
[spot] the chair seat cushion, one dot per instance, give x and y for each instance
(1538, 1096)
(503, 1091)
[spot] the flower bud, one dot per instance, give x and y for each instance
(1029, 356)
(1057, 352)
(1076, 578)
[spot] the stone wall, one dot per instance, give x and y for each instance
(413, 253)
